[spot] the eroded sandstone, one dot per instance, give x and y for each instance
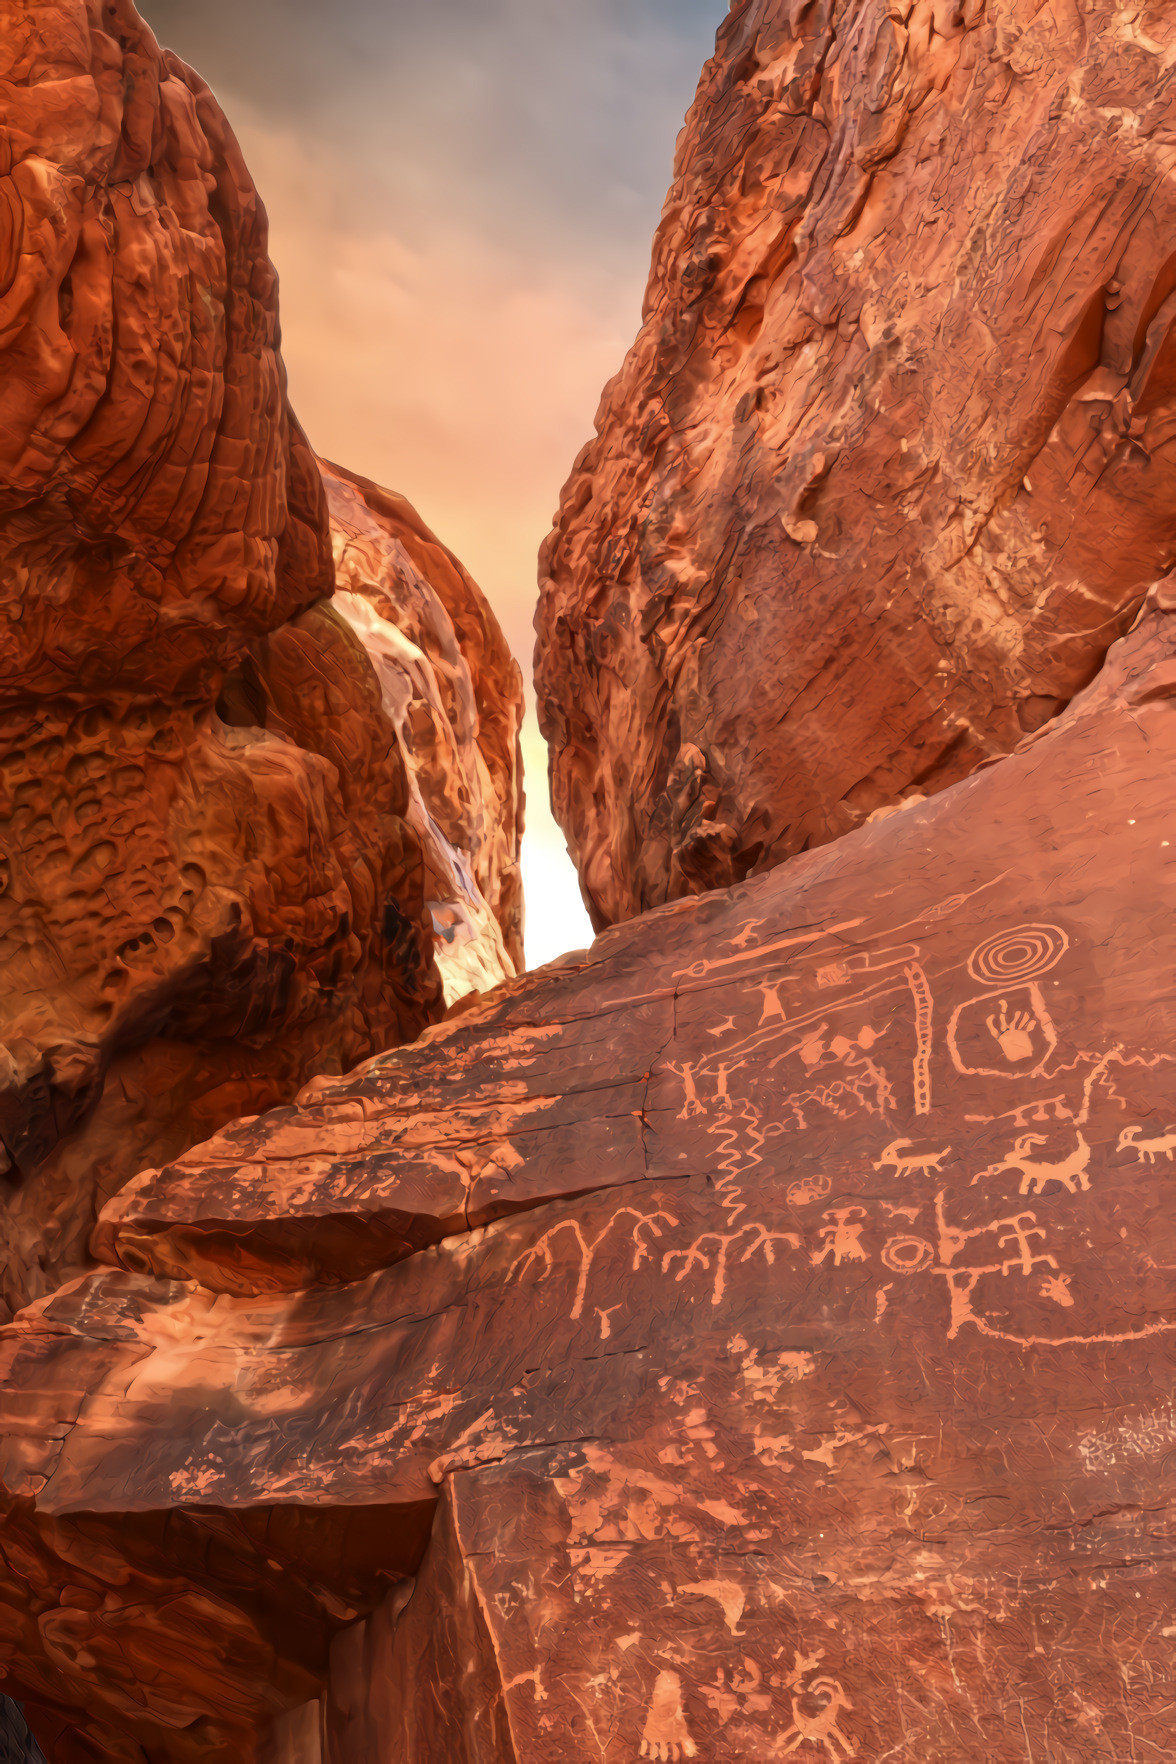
(891, 461)
(820, 1404)
(237, 816)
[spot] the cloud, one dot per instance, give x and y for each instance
(526, 114)
(462, 197)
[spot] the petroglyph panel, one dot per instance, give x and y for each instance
(791, 1383)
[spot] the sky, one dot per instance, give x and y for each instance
(462, 198)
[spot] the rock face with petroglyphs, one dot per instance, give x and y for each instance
(892, 460)
(237, 817)
(753, 1338)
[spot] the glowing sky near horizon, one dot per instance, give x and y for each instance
(462, 196)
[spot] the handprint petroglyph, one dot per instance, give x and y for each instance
(1013, 1032)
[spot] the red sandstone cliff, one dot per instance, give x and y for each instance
(236, 816)
(891, 461)
(753, 1338)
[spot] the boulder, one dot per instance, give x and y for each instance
(237, 816)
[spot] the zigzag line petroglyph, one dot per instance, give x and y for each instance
(921, 993)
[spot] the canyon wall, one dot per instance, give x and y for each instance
(749, 1338)
(238, 817)
(891, 461)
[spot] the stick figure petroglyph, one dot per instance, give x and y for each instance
(693, 1104)
(1034, 1174)
(843, 1238)
(1021, 1227)
(902, 1154)
(1147, 1150)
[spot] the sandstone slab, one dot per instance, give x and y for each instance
(833, 1419)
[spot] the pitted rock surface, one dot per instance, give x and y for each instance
(237, 817)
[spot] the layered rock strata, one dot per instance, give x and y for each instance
(892, 459)
(236, 816)
(767, 1318)
(453, 692)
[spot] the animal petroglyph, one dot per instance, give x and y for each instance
(1036, 1174)
(705, 965)
(1146, 1151)
(822, 1728)
(905, 1159)
(540, 1253)
(665, 1735)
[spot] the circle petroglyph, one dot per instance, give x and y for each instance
(907, 1255)
(1019, 954)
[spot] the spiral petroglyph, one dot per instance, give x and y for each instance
(1019, 954)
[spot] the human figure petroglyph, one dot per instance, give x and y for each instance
(540, 1252)
(1012, 1032)
(693, 1104)
(1021, 1228)
(1147, 1150)
(665, 1735)
(906, 1159)
(772, 1010)
(1035, 1174)
(843, 1237)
